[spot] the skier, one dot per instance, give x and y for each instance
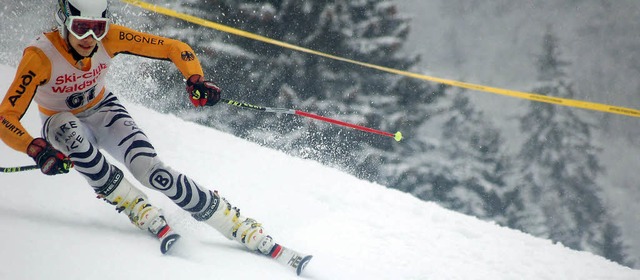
(64, 71)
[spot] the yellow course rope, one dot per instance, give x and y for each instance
(517, 94)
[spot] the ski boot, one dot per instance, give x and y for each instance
(228, 221)
(132, 202)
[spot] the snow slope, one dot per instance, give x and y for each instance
(54, 228)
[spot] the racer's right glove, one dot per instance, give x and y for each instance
(49, 160)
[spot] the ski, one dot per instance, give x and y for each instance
(167, 242)
(165, 234)
(290, 258)
(283, 255)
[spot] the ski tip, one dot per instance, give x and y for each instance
(303, 263)
(168, 242)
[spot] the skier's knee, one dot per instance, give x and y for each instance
(64, 131)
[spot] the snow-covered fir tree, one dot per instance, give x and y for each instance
(477, 162)
(559, 168)
(458, 160)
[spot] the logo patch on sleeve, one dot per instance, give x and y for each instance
(187, 56)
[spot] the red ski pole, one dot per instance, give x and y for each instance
(397, 136)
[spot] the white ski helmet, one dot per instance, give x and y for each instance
(84, 8)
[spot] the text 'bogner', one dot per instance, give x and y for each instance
(140, 39)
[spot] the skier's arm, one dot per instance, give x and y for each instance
(33, 70)
(124, 40)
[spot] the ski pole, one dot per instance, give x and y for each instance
(397, 136)
(18, 168)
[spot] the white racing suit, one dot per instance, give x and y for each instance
(109, 126)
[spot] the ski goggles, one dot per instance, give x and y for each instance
(82, 27)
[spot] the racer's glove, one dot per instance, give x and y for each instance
(49, 160)
(202, 92)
